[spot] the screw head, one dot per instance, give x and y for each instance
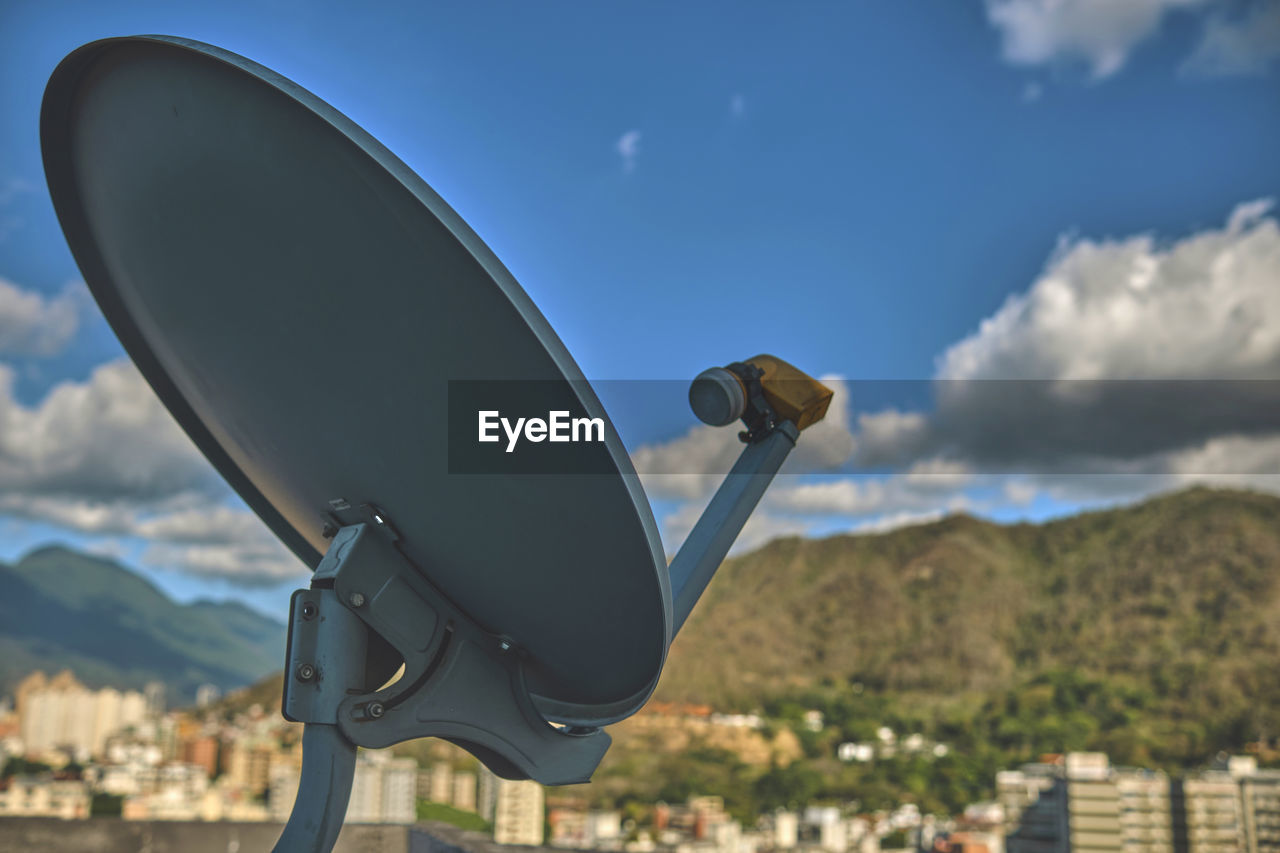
(375, 710)
(505, 645)
(356, 599)
(309, 610)
(305, 672)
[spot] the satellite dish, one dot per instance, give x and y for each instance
(318, 320)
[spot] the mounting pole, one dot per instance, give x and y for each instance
(328, 769)
(327, 651)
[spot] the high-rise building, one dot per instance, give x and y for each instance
(1080, 803)
(248, 765)
(1033, 801)
(63, 713)
(384, 790)
(1260, 796)
(1208, 816)
(283, 792)
(786, 829)
(154, 694)
(203, 752)
(486, 794)
(464, 791)
(440, 783)
(518, 812)
(1146, 820)
(1084, 806)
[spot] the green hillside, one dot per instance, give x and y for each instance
(63, 609)
(1151, 632)
(1180, 594)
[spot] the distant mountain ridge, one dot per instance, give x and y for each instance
(62, 609)
(1179, 594)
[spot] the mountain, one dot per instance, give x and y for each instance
(1148, 632)
(1180, 594)
(64, 609)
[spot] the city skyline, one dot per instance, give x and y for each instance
(208, 765)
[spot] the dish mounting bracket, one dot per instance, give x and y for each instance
(460, 682)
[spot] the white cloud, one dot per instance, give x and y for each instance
(1099, 33)
(38, 325)
(258, 561)
(761, 527)
(1206, 306)
(889, 436)
(104, 458)
(102, 439)
(1152, 313)
(926, 485)
(1019, 492)
(689, 466)
(628, 147)
(845, 496)
(1237, 456)
(1245, 44)
(938, 473)
(897, 521)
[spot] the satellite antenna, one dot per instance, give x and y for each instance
(304, 304)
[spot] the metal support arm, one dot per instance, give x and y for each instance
(721, 522)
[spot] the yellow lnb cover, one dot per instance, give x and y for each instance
(793, 394)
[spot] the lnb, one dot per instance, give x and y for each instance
(760, 391)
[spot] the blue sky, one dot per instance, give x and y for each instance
(969, 189)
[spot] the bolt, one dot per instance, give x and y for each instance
(356, 599)
(375, 710)
(309, 610)
(505, 645)
(305, 672)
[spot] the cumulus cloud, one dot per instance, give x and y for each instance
(761, 527)
(102, 439)
(899, 520)
(1098, 33)
(922, 486)
(103, 457)
(1243, 44)
(257, 561)
(628, 148)
(890, 437)
(1128, 356)
(1237, 37)
(33, 324)
(1202, 307)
